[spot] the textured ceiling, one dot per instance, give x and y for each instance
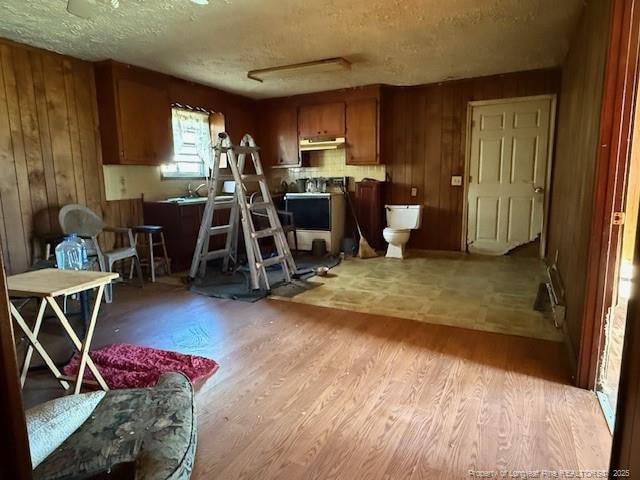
(399, 42)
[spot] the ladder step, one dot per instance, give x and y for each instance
(219, 230)
(245, 149)
(253, 178)
(267, 262)
(223, 204)
(238, 149)
(214, 254)
(267, 232)
(258, 205)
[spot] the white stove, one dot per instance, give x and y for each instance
(317, 216)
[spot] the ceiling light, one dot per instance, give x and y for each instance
(88, 8)
(82, 8)
(317, 66)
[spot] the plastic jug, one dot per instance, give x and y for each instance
(71, 253)
(83, 246)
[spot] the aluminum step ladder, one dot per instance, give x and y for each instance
(240, 209)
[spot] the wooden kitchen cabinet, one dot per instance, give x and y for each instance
(362, 132)
(181, 223)
(323, 120)
(279, 136)
(135, 116)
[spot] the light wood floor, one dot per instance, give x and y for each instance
(316, 393)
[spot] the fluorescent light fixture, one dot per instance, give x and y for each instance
(317, 66)
(312, 145)
(201, 2)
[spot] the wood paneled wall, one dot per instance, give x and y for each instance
(49, 149)
(50, 144)
(575, 159)
(423, 135)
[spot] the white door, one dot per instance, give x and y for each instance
(507, 170)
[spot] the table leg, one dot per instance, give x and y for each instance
(83, 348)
(84, 353)
(38, 347)
(29, 353)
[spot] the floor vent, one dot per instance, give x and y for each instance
(555, 290)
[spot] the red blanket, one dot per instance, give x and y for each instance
(132, 366)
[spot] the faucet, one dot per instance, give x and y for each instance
(191, 192)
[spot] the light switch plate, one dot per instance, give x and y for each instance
(456, 180)
(414, 191)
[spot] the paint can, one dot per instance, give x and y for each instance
(318, 247)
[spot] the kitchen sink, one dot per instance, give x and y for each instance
(197, 199)
(187, 199)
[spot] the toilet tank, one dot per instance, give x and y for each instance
(404, 216)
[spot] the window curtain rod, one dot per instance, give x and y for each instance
(192, 108)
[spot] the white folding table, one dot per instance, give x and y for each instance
(47, 284)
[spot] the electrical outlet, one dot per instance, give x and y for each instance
(414, 192)
(123, 185)
(456, 180)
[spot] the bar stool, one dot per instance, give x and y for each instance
(149, 231)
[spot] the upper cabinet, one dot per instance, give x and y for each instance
(279, 136)
(353, 114)
(135, 116)
(362, 132)
(323, 120)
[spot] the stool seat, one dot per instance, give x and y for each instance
(147, 232)
(147, 229)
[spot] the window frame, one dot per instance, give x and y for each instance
(216, 122)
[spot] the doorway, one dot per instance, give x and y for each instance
(508, 169)
(615, 320)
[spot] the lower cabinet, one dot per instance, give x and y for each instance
(371, 212)
(181, 223)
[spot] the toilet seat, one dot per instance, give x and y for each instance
(397, 230)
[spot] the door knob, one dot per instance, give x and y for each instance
(538, 189)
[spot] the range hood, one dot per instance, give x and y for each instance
(314, 144)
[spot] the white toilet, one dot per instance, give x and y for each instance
(401, 219)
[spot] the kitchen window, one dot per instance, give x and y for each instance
(193, 130)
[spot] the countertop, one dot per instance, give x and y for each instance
(190, 201)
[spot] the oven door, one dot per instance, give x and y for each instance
(310, 213)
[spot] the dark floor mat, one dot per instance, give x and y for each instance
(296, 287)
(236, 285)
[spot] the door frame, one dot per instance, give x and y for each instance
(13, 429)
(616, 124)
(550, 149)
(626, 434)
